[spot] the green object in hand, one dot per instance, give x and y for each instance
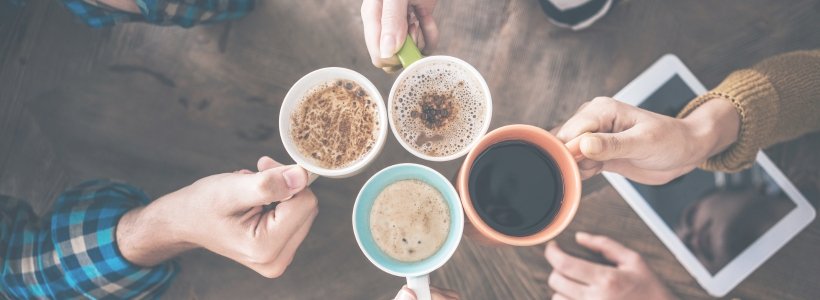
(409, 53)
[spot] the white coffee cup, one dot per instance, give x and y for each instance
(412, 60)
(299, 90)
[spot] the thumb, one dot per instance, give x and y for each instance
(394, 27)
(276, 184)
(610, 249)
(405, 294)
(265, 162)
(608, 146)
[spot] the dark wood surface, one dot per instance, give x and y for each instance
(161, 107)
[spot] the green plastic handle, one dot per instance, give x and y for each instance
(409, 53)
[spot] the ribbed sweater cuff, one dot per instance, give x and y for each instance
(756, 101)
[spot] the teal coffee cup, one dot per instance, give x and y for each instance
(417, 272)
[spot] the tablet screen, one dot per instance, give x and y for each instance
(716, 215)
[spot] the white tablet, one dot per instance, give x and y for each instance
(720, 226)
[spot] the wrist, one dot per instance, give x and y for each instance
(146, 238)
(712, 128)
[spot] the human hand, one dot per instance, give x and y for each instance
(647, 147)
(436, 294)
(387, 23)
(229, 214)
(575, 278)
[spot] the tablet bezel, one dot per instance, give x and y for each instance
(760, 250)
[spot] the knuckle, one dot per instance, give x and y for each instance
(376, 61)
(313, 203)
(613, 143)
(632, 256)
(552, 280)
(602, 101)
(560, 263)
(273, 271)
(262, 185)
(259, 254)
(310, 202)
(391, 21)
(610, 281)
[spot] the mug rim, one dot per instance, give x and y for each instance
(571, 180)
(488, 112)
(295, 94)
(453, 238)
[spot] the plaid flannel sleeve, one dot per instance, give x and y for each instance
(185, 13)
(73, 253)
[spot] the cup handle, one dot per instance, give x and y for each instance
(311, 177)
(420, 285)
(409, 53)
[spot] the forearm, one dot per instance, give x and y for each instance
(146, 238)
(776, 101)
(73, 252)
(713, 127)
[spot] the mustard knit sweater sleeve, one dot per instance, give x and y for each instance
(778, 99)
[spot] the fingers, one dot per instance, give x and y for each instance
(645, 176)
(371, 20)
(574, 147)
(266, 162)
(609, 146)
(289, 215)
(280, 232)
(424, 12)
(575, 268)
(287, 253)
(393, 27)
(279, 183)
(558, 296)
(589, 168)
(609, 248)
(436, 294)
(598, 115)
(443, 294)
(565, 286)
(405, 294)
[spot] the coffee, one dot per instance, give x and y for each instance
(516, 188)
(335, 124)
(439, 109)
(409, 220)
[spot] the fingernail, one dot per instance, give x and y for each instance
(580, 235)
(294, 177)
(592, 145)
(404, 295)
(387, 46)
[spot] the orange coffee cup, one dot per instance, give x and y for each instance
(476, 228)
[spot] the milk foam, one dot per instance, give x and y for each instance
(409, 220)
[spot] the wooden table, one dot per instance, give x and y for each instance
(161, 107)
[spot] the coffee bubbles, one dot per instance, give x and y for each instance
(439, 109)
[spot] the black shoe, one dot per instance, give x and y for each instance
(575, 14)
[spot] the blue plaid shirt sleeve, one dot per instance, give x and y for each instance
(72, 252)
(185, 13)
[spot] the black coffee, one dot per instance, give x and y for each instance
(516, 188)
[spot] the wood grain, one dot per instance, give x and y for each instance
(160, 107)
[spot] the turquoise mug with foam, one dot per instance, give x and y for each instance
(417, 273)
